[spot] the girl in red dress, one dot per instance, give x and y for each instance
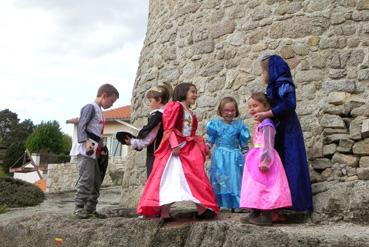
(178, 172)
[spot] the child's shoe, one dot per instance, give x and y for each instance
(264, 219)
(208, 214)
(253, 214)
(96, 215)
(81, 213)
(278, 217)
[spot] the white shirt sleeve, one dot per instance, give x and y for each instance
(141, 143)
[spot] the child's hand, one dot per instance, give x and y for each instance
(208, 152)
(260, 116)
(89, 145)
(176, 150)
(263, 167)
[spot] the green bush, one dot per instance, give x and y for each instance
(3, 209)
(2, 173)
(18, 193)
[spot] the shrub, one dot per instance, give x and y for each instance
(18, 193)
(3, 209)
(2, 173)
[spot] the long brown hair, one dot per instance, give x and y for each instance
(180, 91)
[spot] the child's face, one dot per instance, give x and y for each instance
(107, 101)
(154, 104)
(256, 107)
(264, 75)
(191, 96)
(229, 111)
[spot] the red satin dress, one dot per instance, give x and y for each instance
(178, 178)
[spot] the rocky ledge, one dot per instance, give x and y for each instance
(64, 230)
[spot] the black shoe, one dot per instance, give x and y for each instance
(208, 214)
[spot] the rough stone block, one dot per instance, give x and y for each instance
(332, 121)
(330, 131)
(335, 138)
(327, 173)
(362, 4)
(355, 128)
(361, 147)
(221, 29)
(334, 109)
(361, 111)
(345, 145)
(363, 75)
(190, 8)
(309, 75)
(300, 49)
(364, 162)
(363, 173)
(313, 41)
(169, 74)
(341, 86)
(349, 160)
(360, 15)
(321, 164)
(365, 128)
(315, 177)
(351, 178)
(338, 98)
(329, 150)
(212, 69)
(287, 52)
(337, 73)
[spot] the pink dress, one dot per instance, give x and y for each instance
(264, 190)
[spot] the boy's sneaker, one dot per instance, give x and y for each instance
(96, 215)
(81, 213)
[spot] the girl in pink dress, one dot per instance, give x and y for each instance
(264, 182)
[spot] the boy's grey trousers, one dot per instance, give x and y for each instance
(89, 183)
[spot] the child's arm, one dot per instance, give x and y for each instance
(147, 140)
(244, 138)
(266, 156)
(212, 133)
(87, 113)
(172, 113)
(155, 118)
(287, 94)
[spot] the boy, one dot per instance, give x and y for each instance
(89, 150)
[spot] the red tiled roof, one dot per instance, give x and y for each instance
(122, 113)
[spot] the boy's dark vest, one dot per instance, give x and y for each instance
(154, 119)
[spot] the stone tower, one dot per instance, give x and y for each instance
(216, 45)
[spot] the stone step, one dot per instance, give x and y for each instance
(50, 229)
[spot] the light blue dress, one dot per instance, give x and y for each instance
(227, 159)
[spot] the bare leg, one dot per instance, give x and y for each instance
(164, 211)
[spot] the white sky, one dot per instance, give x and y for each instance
(54, 54)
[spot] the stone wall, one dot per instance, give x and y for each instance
(216, 44)
(63, 177)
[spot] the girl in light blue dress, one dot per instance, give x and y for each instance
(229, 136)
